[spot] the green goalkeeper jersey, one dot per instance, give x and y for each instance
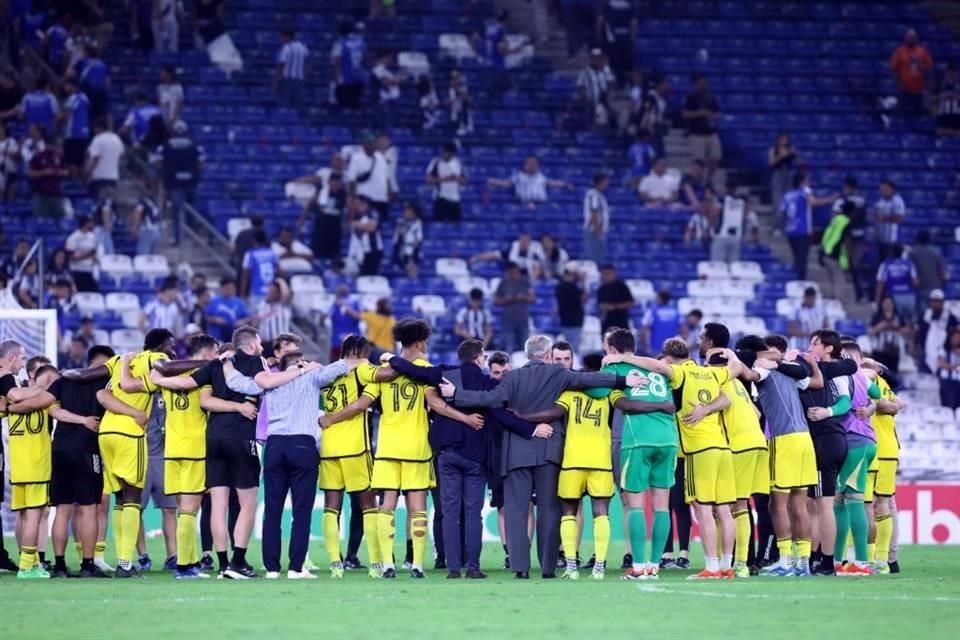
(657, 429)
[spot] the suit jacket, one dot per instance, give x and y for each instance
(529, 389)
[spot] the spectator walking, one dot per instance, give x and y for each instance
(76, 133)
(474, 321)
(595, 81)
(615, 32)
(164, 310)
(165, 25)
(596, 220)
(614, 300)
(931, 272)
(292, 255)
(46, 172)
(854, 206)
(327, 208)
(291, 69)
(368, 175)
(661, 322)
(37, 107)
(948, 371)
(82, 247)
(700, 113)
(274, 313)
(181, 161)
(260, 267)
(910, 63)
(782, 160)
(408, 240)
(446, 173)
(458, 97)
(145, 225)
(936, 323)
(658, 188)
(897, 279)
(571, 296)
(833, 246)
(226, 311)
(347, 62)
(889, 332)
(380, 324)
(170, 95)
(366, 244)
(810, 316)
(104, 215)
(797, 207)
(137, 124)
(948, 102)
(103, 161)
(530, 184)
(734, 222)
(514, 296)
(94, 77)
(889, 211)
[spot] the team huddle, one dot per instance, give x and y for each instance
(808, 437)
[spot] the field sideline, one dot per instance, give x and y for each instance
(923, 602)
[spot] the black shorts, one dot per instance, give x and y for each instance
(677, 499)
(349, 95)
(99, 102)
(233, 463)
(948, 121)
(75, 151)
(831, 450)
(77, 478)
(496, 495)
(446, 210)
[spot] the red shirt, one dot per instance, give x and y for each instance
(909, 64)
(48, 185)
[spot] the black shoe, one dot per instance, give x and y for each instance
(668, 563)
(235, 572)
(476, 574)
(353, 564)
(683, 563)
(579, 562)
(506, 562)
(522, 575)
(549, 576)
(61, 573)
(127, 573)
(894, 566)
(440, 564)
(417, 574)
(754, 570)
(627, 561)
(95, 572)
(561, 560)
(47, 566)
(592, 561)
(824, 570)
(453, 575)
(389, 574)
(206, 563)
(8, 565)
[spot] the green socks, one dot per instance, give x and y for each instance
(661, 529)
(859, 527)
(843, 529)
(637, 525)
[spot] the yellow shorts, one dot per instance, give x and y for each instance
(708, 477)
(576, 483)
(35, 495)
(751, 472)
(402, 475)
(182, 477)
(793, 462)
(351, 474)
(886, 478)
(124, 461)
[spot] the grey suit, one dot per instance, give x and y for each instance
(533, 464)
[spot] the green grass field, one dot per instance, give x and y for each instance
(921, 602)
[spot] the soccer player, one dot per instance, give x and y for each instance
(709, 482)
(563, 355)
(885, 476)
(153, 489)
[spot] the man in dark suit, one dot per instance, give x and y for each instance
(533, 464)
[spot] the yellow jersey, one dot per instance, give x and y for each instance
(740, 420)
(185, 424)
(697, 386)
(140, 368)
(404, 423)
(588, 440)
(31, 447)
(885, 425)
(350, 437)
(379, 329)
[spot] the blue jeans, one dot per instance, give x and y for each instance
(572, 335)
(148, 239)
(595, 247)
(514, 335)
(105, 240)
(462, 483)
(290, 92)
(800, 247)
(291, 464)
(178, 197)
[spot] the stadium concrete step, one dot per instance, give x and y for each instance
(554, 49)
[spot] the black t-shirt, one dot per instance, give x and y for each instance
(7, 383)
(569, 304)
(701, 126)
(616, 292)
(827, 396)
(10, 97)
(79, 398)
(229, 426)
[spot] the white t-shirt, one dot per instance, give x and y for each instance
(659, 187)
(375, 187)
(82, 242)
(447, 189)
(526, 260)
(108, 147)
(168, 95)
(596, 201)
(8, 149)
(388, 91)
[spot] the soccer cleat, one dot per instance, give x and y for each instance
(303, 574)
(802, 570)
(742, 571)
(206, 563)
(780, 571)
(269, 575)
(627, 561)
(407, 564)
(389, 574)
(61, 573)
(706, 575)
(894, 566)
(521, 575)
(95, 572)
(475, 574)
(561, 560)
(170, 564)
(652, 572)
(854, 570)
(102, 565)
(668, 563)
(883, 568)
(127, 573)
(727, 574)
(506, 562)
(37, 572)
(570, 574)
(235, 572)
(145, 563)
(417, 574)
(598, 573)
(682, 563)
(592, 561)
(350, 564)
(188, 574)
(634, 574)
(439, 564)
(309, 566)
(753, 570)
(824, 570)
(336, 572)
(374, 572)
(453, 575)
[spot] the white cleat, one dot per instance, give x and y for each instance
(300, 575)
(101, 564)
(271, 575)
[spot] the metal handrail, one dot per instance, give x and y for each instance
(212, 234)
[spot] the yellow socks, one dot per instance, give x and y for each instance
(371, 536)
(386, 530)
(803, 548)
(28, 558)
(601, 538)
(785, 547)
(871, 552)
(418, 533)
(741, 522)
(117, 522)
(331, 535)
(187, 539)
(568, 538)
(128, 533)
(100, 549)
(884, 536)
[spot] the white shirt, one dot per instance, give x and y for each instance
(526, 260)
(595, 82)
(698, 227)
(410, 236)
(376, 186)
(293, 57)
(107, 147)
(530, 187)
(447, 189)
(658, 187)
(81, 242)
(887, 231)
(393, 159)
(596, 201)
(388, 91)
(475, 321)
(8, 149)
(168, 97)
(274, 319)
(163, 315)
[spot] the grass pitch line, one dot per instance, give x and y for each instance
(796, 596)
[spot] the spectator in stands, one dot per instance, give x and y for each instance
(103, 160)
(458, 97)
(82, 246)
(260, 268)
(46, 173)
(733, 222)
(392, 155)
(368, 175)
(429, 103)
(474, 321)
(347, 61)
(854, 206)
(693, 185)
(641, 154)
(32, 144)
(58, 268)
(658, 188)
(555, 258)
(226, 311)
(11, 94)
(76, 118)
(889, 211)
(336, 274)
(137, 123)
(37, 107)
(170, 95)
(11, 264)
(948, 101)
(514, 295)
(387, 82)
(408, 239)
(797, 207)
(380, 324)
(141, 27)
(910, 63)
(103, 215)
(615, 32)
(166, 25)
(366, 244)
(292, 255)
(936, 323)
(524, 252)
(700, 113)
(291, 69)
(28, 288)
(9, 156)
(661, 321)
(446, 173)
(614, 299)
(344, 319)
(244, 240)
(782, 160)
(76, 355)
(145, 225)
(198, 315)
(596, 219)
(275, 313)
(810, 316)
(897, 279)
(181, 162)
(595, 81)
(164, 310)
(889, 331)
(834, 249)
(948, 370)
(94, 77)
(691, 328)
(931, 272)
(571, 296)
(530, 184)
(699, 231)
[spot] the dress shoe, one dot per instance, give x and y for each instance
(522, 575)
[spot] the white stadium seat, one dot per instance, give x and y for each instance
(116, 266)
(122, 301)
(739, 290)
(414, 63)
(308, 303)
(938, 415)
(374, 285)
(787, 307)
(518, 359)
(432, 307)
(465, 284)
(456, 46)
(451, 268)
(152, 266)
(101, 337)
(642, 290)
(703, 289)
(753, 325)
(295, 265)
(89, 303)
(307, 283)
(746, 270)
(834, 309)
(795, 288)
(236, 225)
(124, 340)
(712, 269)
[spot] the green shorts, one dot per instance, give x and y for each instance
(854, 472)
(644, 468)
